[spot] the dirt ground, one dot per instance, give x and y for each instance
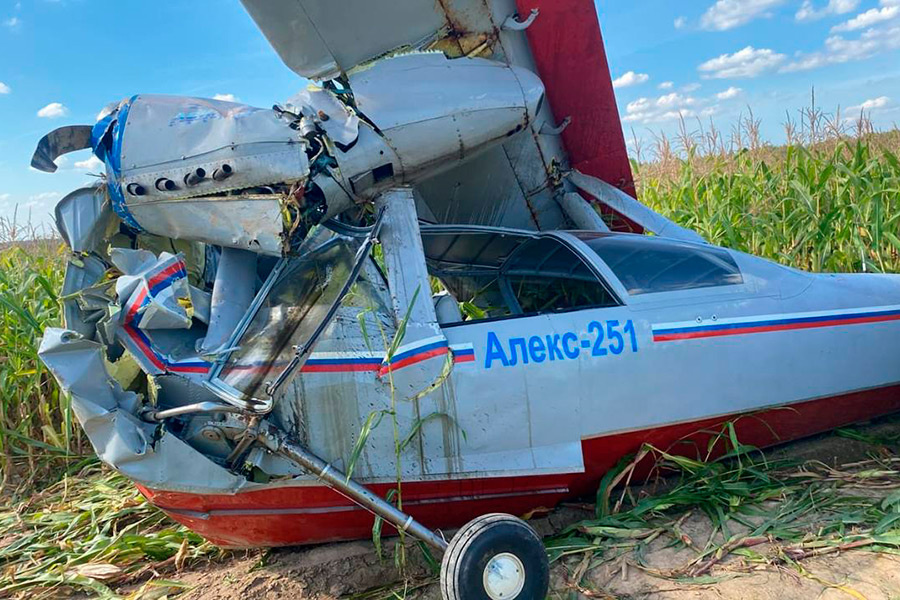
(353, 570)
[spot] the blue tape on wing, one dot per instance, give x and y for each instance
(106, 140)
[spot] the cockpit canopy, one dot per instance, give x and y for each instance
(646, 264)
(495, 273)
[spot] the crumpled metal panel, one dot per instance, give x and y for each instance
(81, 274)
(339, 122)
(106, 413)
(153, 292)
(180, 131)
(85, 218)
(153, 317)
(249, 221)
(162, 152)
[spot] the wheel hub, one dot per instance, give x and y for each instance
(504, 577)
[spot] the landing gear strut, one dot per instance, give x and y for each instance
(493, 557)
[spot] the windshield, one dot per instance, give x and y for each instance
(299, 301)
(646, 264)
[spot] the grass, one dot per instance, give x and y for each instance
(760, 513)
(37, 433)
(92, 533)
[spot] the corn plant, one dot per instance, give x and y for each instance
(820, 209)
(37, 431)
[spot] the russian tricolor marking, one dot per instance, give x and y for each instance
(690, 330)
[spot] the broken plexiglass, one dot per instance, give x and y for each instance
(297, 304)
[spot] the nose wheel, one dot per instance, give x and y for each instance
(495, 557)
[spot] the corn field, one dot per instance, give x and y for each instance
(833, 208)
(37, 433)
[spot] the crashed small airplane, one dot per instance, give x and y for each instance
(440, 234)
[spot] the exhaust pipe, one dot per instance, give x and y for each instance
(165, 185)
(223, 172)
(136, 189)
(195, 177)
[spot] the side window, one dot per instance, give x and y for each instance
(647, 265)
(473, 297)
(545, 276)
(491, 275)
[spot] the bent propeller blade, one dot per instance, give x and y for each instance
(58, 142)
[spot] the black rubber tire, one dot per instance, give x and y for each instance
(462, 568)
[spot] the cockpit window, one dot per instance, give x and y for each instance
(489, 275)
(647, 265)
(303, 291)
(545, 276)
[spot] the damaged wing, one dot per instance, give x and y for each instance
(516, 184)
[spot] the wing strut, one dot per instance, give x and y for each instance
(632, 210)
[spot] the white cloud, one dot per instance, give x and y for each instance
(43, 196)
(745, 63)
(4, 89)
(666, 85)
(808, 11)
(680, 22)
(53, 110)
(629, 79)
(691, 87)
(665, 108)
(728, 14)
(839, 50)
(42, 200)
(869, 105)
(225, 97)
(5, 197)
(12, 22)
(732, 92)
(91, 164)
(869, 18)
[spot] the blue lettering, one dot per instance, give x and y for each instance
(553, 347)
(598, 349)
(629, 329)
(513, 355)
(613, 335)
(536, 349)
(570, 345)
(494, 351)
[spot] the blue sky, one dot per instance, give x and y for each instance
(62, 61)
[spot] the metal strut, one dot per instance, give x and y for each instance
(279, 443)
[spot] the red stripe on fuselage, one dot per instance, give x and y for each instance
(411, 360)
(340, 368)
(132, 311)
(145, 348)
(689, 335)
(170, 270)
